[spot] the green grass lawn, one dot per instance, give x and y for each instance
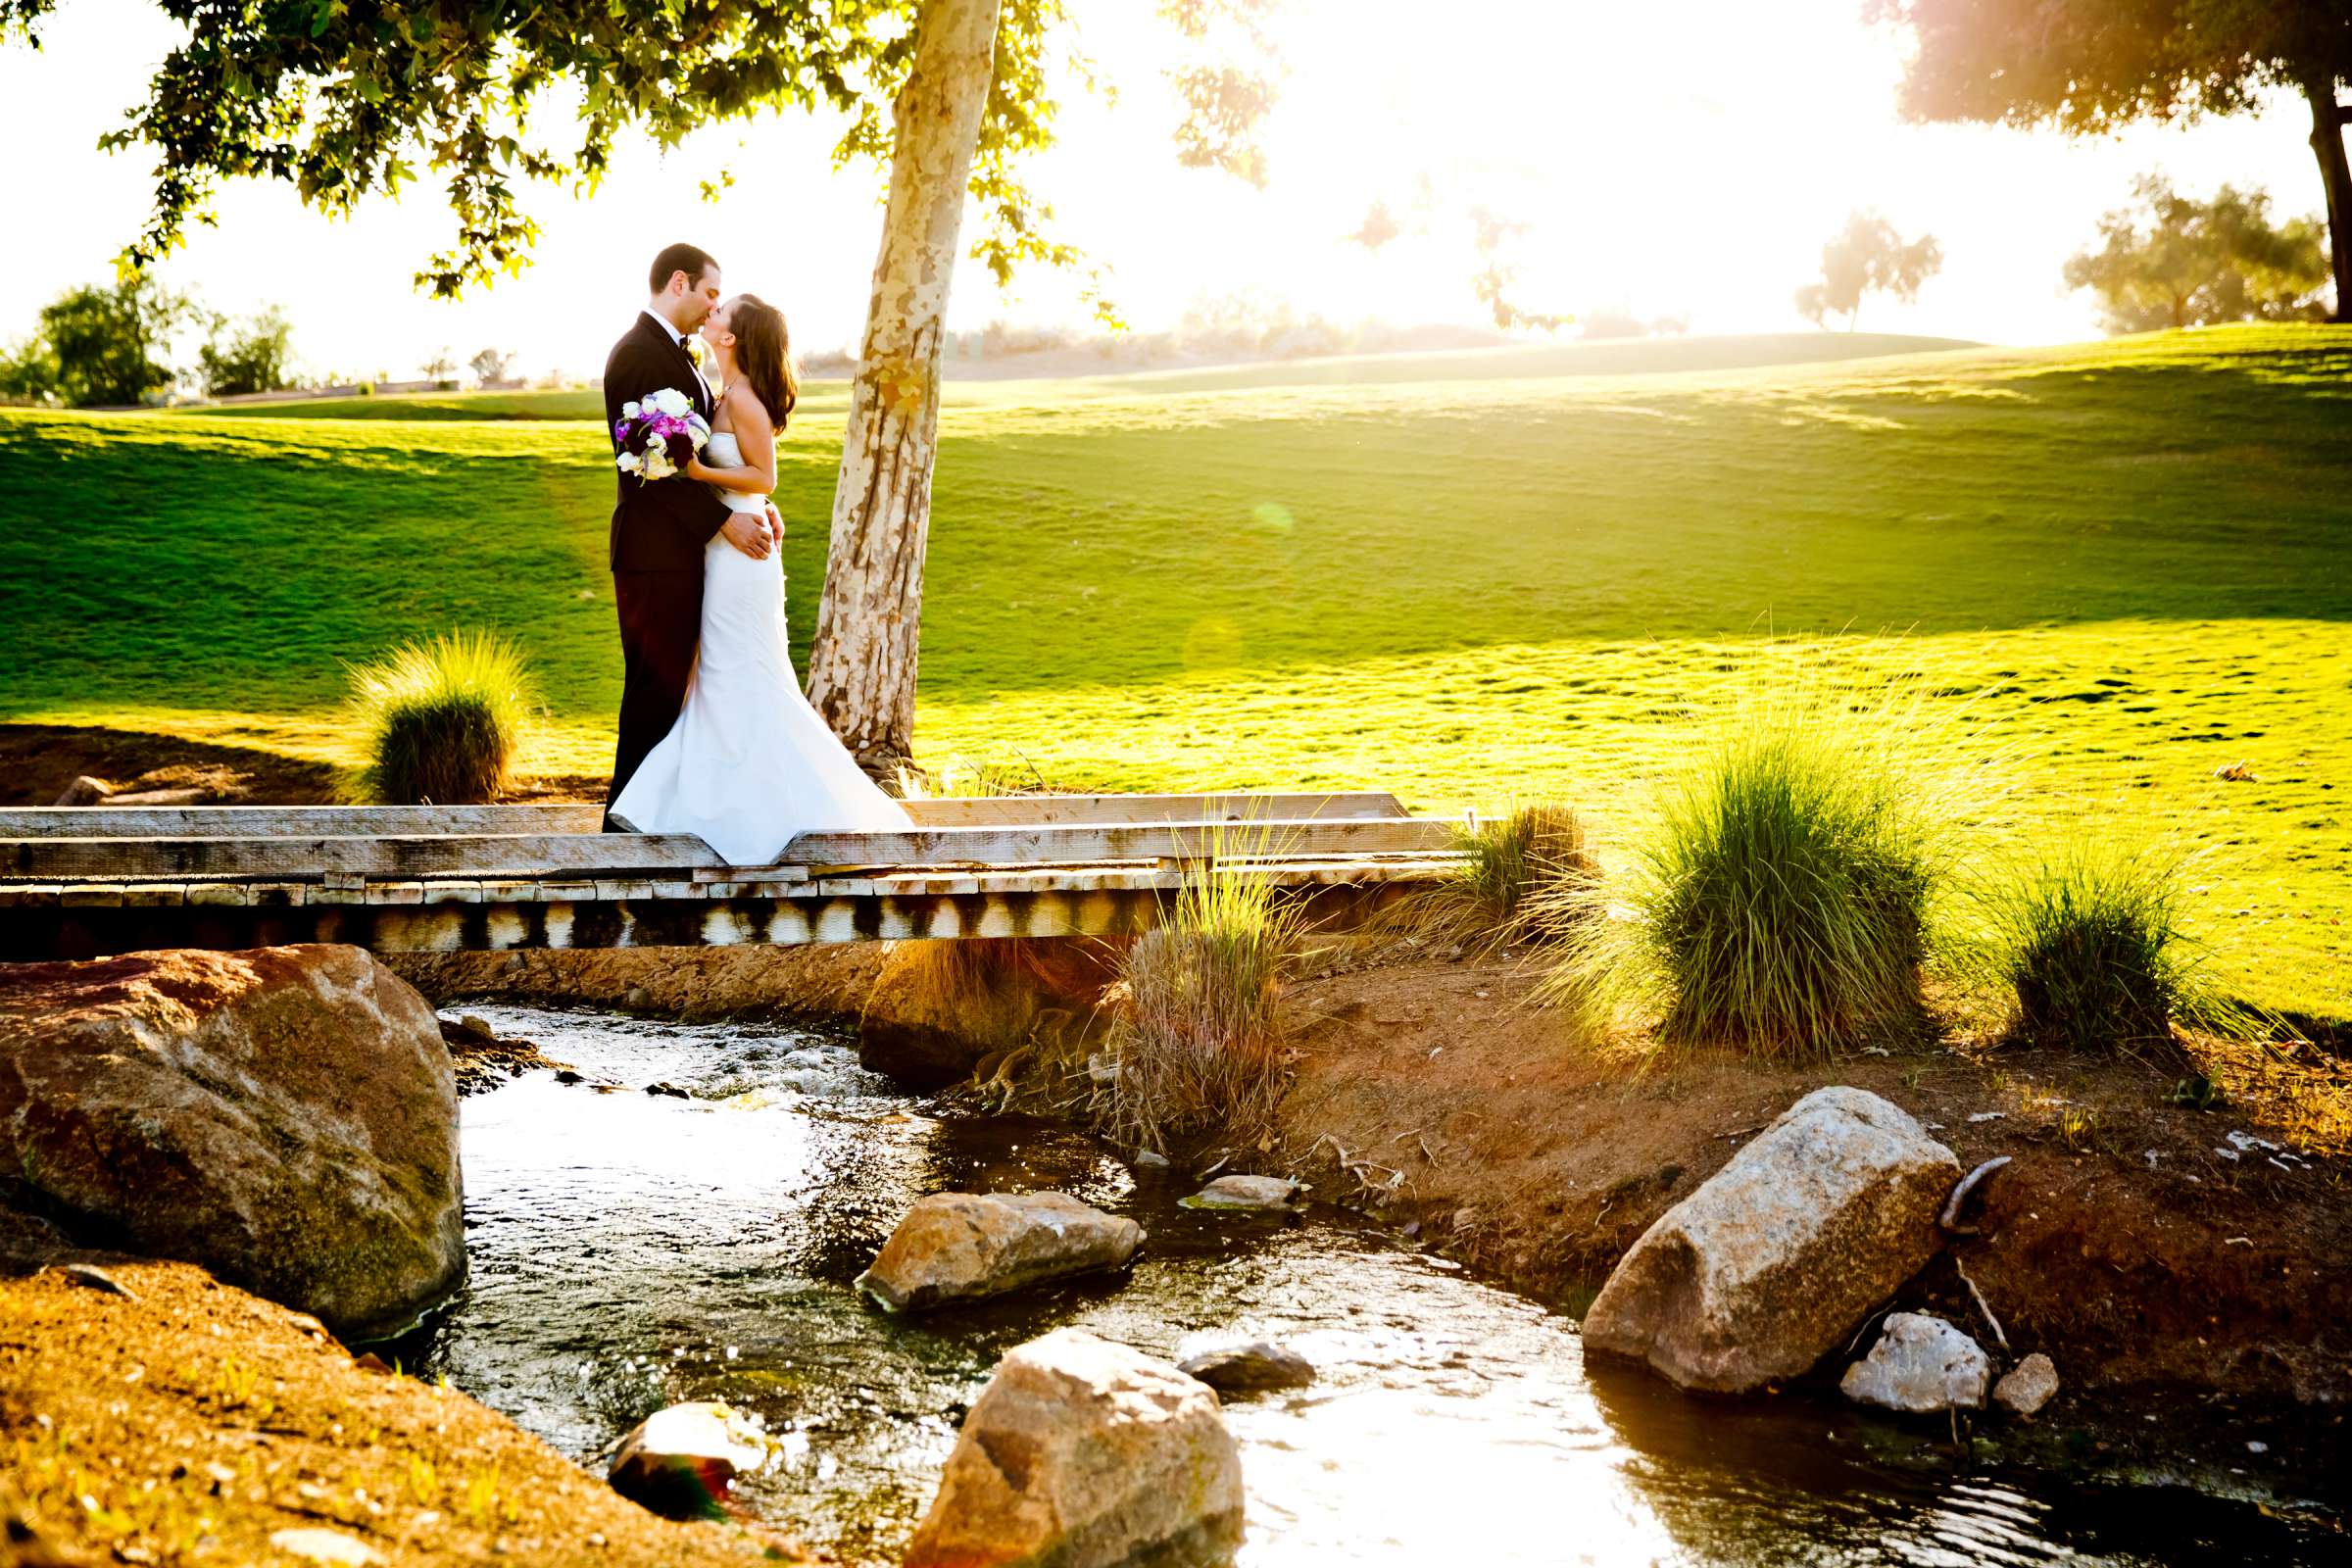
(1462, 589)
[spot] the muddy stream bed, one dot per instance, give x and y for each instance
(631, 1249)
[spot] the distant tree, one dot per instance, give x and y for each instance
(101, 344)
(1866, 256)
(1379, 226)
(1497, 276)
(28, 372)
(440, 369)
(490, 366)
(2170, 260)
(1610, 320)
(250, 356)
(2090, 66)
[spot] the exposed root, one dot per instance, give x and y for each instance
(1949, 1219)
(1983, 1306)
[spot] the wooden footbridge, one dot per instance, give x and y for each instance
(76, 882)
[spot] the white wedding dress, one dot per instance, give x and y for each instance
(748, 765)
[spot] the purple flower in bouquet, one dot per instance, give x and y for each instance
(658, 435)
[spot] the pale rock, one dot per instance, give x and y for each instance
(2027, 1386)
(1921, 1364)
(1770, 1263)
(960, 1246)
(1246, 1192)
(1237, 1364)
(682, 1460)
(285, 1118)
(327, 1547)
(85, 791)
(1085, 1454)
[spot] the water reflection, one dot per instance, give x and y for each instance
(630, 1251)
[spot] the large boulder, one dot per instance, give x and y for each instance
(958, 1246)
(285, 1118)
(1081, 1453)
(1921, 1364)
(1772, 1263)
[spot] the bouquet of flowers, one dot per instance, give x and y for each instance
(658, 435)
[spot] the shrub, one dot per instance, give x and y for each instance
(1196, 1036)
(441, 718)
(1523, 874)
(1777, 899)
(2087, 941)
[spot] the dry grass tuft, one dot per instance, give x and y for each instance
(1196, 1038)
(1523, 879)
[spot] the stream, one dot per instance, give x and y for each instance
(631, 1251)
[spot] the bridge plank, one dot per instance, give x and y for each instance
(403, 859)
(291, 821)
(560, 818)
(1092, 843)
(1004, 810)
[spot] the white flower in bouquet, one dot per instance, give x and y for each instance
(672, 401)
(629, 411)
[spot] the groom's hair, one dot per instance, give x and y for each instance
(692, 260)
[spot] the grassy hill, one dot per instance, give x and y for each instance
(1639, 356)
(1462, 589)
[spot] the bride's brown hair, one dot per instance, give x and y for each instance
(764, 354)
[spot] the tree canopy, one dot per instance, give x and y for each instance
(343, 98)
(1866, 256)
(2095, 65)
(2171, 261)
(2091, 65)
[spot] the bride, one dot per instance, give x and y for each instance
(748, 765)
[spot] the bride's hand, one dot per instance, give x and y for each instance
(695, 469)
(775, 522)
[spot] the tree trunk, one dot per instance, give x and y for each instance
(2327, 120)
(861, 668)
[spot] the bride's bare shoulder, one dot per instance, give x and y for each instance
(744, 405)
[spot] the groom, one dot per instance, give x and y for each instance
(661, 528)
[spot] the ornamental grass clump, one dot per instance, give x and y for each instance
(442, 718)
(2088, 942)
(1522, 874)
(1777, 899)
(1196, 1038)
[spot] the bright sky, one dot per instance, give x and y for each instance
(1677, 157)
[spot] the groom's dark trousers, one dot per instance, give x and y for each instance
(659, 531)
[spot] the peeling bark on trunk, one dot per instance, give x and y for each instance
(862, 669)
(2327, 120)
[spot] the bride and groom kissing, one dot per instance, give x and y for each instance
(715, 738)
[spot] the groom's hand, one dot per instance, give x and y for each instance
(748, 532)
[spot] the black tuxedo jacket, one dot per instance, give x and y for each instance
(664, 525)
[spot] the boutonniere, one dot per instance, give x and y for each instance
(698, 351)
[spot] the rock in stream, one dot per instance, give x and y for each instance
(1768, 1266)
(960, 1246)
(1085, 1454)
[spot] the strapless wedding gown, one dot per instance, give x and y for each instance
(748, 765)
